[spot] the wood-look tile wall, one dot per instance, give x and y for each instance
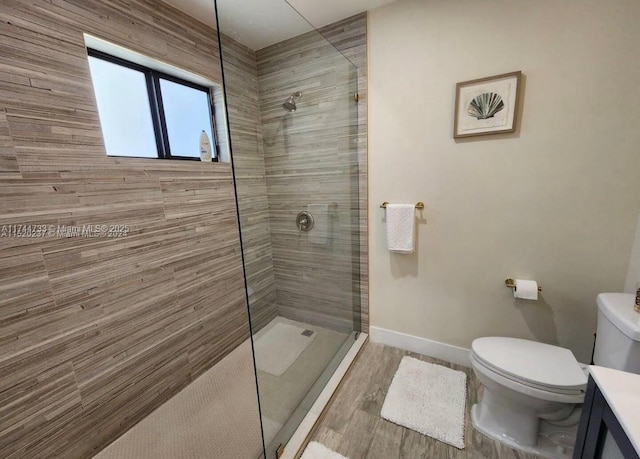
(314, 156)
(241, 84)
(349, 36)
(98, 332)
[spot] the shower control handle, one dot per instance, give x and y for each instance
(304, 220)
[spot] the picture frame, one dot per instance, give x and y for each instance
(487, 105)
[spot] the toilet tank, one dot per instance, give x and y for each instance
(618, 333)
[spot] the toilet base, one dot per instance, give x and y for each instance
(553, 442)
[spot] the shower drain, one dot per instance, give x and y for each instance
(307, 333)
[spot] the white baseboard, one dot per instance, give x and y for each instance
(435, 349)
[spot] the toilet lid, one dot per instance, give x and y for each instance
(527, 361)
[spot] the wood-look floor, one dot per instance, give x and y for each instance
(353, 427)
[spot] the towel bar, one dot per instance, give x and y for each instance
(419, 205)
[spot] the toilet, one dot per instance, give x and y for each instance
(533, 391)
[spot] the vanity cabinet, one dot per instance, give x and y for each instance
(608, 425)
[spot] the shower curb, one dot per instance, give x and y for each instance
(301, 437)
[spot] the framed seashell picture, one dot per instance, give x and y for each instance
(486, 105)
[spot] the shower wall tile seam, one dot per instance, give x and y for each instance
(273, 297)
(9, 167)
(246, 138)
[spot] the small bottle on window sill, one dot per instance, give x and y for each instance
(205, 148)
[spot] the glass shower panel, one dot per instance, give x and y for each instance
(292, 114)
(183, 346)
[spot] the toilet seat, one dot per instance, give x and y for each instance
(537, 365)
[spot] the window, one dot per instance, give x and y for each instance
(148, 114)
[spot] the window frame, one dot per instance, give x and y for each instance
(152, 78)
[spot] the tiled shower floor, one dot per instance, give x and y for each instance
(217, 415)
(281, 395)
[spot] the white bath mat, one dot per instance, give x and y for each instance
(280, 346)
(429, 399)
(315, 450)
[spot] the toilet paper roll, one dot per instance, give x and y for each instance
(526, 289)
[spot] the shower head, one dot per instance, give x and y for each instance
(290, 104)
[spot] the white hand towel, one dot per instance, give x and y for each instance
(319, 234)
(400, 227)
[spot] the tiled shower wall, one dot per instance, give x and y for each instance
(349, 36)
(241, 84)
(98, 332)
(317, 155)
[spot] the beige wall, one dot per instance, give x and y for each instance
(557, 201)
(633, 274)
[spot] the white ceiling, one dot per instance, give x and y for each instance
(260, 23)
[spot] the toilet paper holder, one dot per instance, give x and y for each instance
(512, 284)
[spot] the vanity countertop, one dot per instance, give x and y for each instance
(622, 392)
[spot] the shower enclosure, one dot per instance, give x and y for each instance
(157, 302)
(292, 110)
